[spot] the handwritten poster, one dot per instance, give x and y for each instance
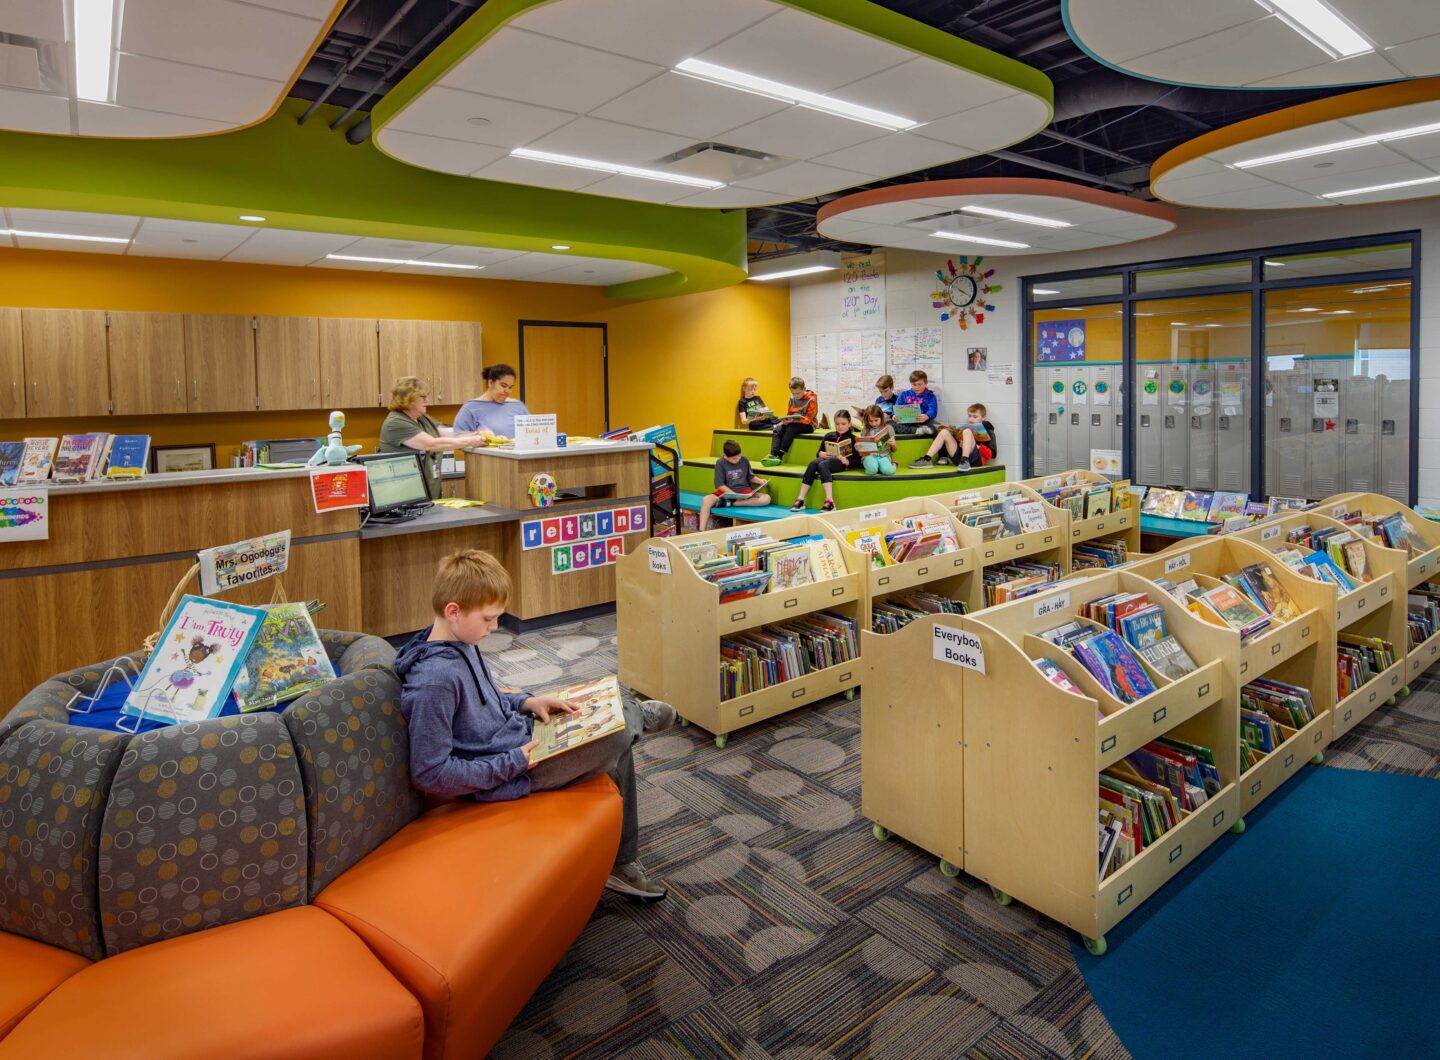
(226, 566)
(872, 356)
(929, 352)
(802, 361)
(827, 365)
(902, 351)
(862, 290)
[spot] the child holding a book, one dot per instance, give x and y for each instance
(925, 402)
(470, 738)
(751, 411)
(800, 417)
(974, 446)
(875, 430)
(735, 483)
(836, 453)
(885, 399)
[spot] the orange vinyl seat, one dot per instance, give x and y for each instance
(294, 983)
(28, 971)
(473, 904)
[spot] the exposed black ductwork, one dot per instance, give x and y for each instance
(1106, 89)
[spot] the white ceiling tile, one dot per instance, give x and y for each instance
(104, 119)
(547, 72)
(526, 266)
(1420, 148)
(44, 19)
(799, 49)
(33, 112)
(800, 133)
(1420, 58)
(923, 89)
(540, 174)
(733, 197)
(219, 35)
(895, 153)
(155, 84)
(1323, 167)
(318, 9)
(1233, 56)
(991, 125)
(1392, 21)
(1290, 140)
(31, 243)
(176, 247)
(436, 152)
(20, 67)
(273, 246)
(460, 255)
(804, 179)
(442, 111)
(1372, 66)
(688, 107)
(1123, 29)
(1364, 178)
(1422, 191)
(1394, 118)
(888, 212)
(382, 247)
(1271, 197)
(74, 223)
(203, 229)
(610, 142)
(1182, 188)
(657, 31)
(351, 266)
(640, 189)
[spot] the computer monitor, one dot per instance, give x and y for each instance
(397, 480)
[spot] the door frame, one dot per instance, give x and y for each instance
(604, 352)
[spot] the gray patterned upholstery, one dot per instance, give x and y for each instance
(47, 700)
(53, 784)
(205, 826)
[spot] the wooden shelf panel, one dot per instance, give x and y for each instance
(884, 580)
(735, 615)
(1422, 568)
(1260, 782)
(1364, 601)
(1422, 658)
(1273, 646)
(786, 696)
(1155, 715)
(1082, 530)
(1366, 699)
(1020, 546)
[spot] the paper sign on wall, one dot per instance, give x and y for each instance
(228, 566)
(24, 514)
(959, 648)
(862, 290)
(335, 489)
(1060, 340)
(1105, 461)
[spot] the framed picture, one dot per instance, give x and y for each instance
(977, 358)
(198, 457)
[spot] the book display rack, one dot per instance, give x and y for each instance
(1121, 524)
(1050, 544)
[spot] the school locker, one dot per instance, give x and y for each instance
(1175, 424)
(1202, 427)
(1323, 450)
(1148, 425)
(1393, 451)
(1051, 437)
(1232, 428)
(1287, 428)
(1077, 414)
(1104, 386)
(1358, 427)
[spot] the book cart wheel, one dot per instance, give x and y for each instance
(1404, 691)
(1096, 947)
(1318, 758)
(722, 740)
(1391, 701)
(1000, 896)
(879, 831)
(684, 723)
(947, 869)
(1238, 828)
(849, 693)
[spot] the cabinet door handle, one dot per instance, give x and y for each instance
(179, 390)
(15, 392)
(35, 393)
(195, 389)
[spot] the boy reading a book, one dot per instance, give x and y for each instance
(885, 400)
(799, 419)
(472, 739)
(836, 453)
(974, 446)
(925, 401)
(735, 483)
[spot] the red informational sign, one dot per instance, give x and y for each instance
(335, 489)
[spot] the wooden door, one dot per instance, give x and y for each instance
(564, 371)
(219, 362)
(65, 362)
(12, 366)
(405, 349)
(147, 363)
(287, 362)
(458, 357)
(349, 364)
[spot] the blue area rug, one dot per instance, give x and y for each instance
(1313, 934)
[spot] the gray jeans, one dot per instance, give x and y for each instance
(612, 755)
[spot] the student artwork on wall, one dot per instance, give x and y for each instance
(963, 291)
(1060, 340)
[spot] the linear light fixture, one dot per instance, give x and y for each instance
(795, 265)
(1377, 287)
(401, 261)
(1276, 264)
(1321, 25)
(614, 168)
(1045, 290)
(63, 235)
(763, 86)
(94, 48)
(983, 240)
(1023, 218)
(1340, 145)
(1378, 187)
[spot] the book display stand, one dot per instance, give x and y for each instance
(671, 622)
(1050, 545)
(1122, 525)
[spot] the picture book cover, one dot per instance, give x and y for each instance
(1227, 503)
(1097, 502)
(129, 456)
(835, 450)
(790, 569)
(38, 457)
(1051, 669)
(1144, 628)
(72, 462)
(1122, 670)
(194, 664)
(1356, 562)
(1169, 658)
(1273, 596)
(286, 661)
(601, 713)
(1195, 506)
(907, 414)
(825, 561)
(1236, 610)
(871, 541)
(1165, 503)
(1031, 515)
(11, 454)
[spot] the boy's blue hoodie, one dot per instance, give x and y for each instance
(466, 734)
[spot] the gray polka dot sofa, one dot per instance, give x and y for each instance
(270, 885)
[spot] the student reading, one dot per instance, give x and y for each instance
(495, 410)
(407, 429)
(826, 463)
(800, 418)
(471, 738)
(735, 483)
(751, 412)
(975, 445)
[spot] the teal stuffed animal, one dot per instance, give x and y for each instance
(334, 451)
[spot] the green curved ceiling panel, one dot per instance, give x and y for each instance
(307, 178)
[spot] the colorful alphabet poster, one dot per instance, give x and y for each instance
(565, 559)
(595, 526)
(1060, 340)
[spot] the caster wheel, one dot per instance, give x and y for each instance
(1317, 758)
(880, 832)
(947, 869)
(1000, 896)
(1404, 691)
(1238, 828)
(1391, 701)
(849, 693)
(1096, 947)
(721, 741)
(684, 723)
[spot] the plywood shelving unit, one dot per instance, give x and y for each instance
(1049, 545)
(1122, 525)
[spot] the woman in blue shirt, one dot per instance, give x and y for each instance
(495, 410)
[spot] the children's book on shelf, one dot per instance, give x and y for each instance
(1056, 676)
(286, 661)
(11, 454)
(1234, 609)
(1168, 658)
(1163, 503)
(601, 713)
(791, 568)
(196, 660)
(1098, 501)
(897, 612)
(1226, 503)
(1422, 614)
(1031, 515)
(129, 456)
(751, 567)
(75, 461)
(1270, 713)
(784, 651)
(1195, 506)
(1111, 661)
(1326, 569)
(37, 459)
(1091, 554)
(1358, 659)
(825, 560)
(871, 541)
(1013, 581)
(1277, 505)
(1258, 582)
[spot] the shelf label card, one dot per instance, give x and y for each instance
(1270, 533)
(659, 558)
(1052, 605)
(870, 515)
(1337, 511)
(1051, 483)
(750, 533)
(1175, 563)
(959, 648)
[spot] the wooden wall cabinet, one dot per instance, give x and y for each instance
(456, 353)
(287, 363)
(12, 366)
(349, 363)
(219, 362)
(402, 352)
(147, 363)
(66, 372)
(445, 353)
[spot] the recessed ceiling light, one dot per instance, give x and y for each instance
(763, 86)
(477, 121)
(1044, 290)
(984, 240)
(614, 168)
(1378, 187)
(251, 217)
(559, 246)
(1339, 145)
(94, 48)
(62, 235)
(795, 265)
(1321, 25)
(1023, 218)
(401, 261)
(1341, 312)
(1306, 309)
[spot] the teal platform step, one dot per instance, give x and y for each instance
(759, 513)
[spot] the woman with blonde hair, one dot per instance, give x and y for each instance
(408, 429)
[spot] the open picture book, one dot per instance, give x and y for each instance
(601, 713)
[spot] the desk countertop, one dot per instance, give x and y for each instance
(441, 519)
(573, 449)
(167, 479)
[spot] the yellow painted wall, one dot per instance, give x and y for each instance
(674, 360)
